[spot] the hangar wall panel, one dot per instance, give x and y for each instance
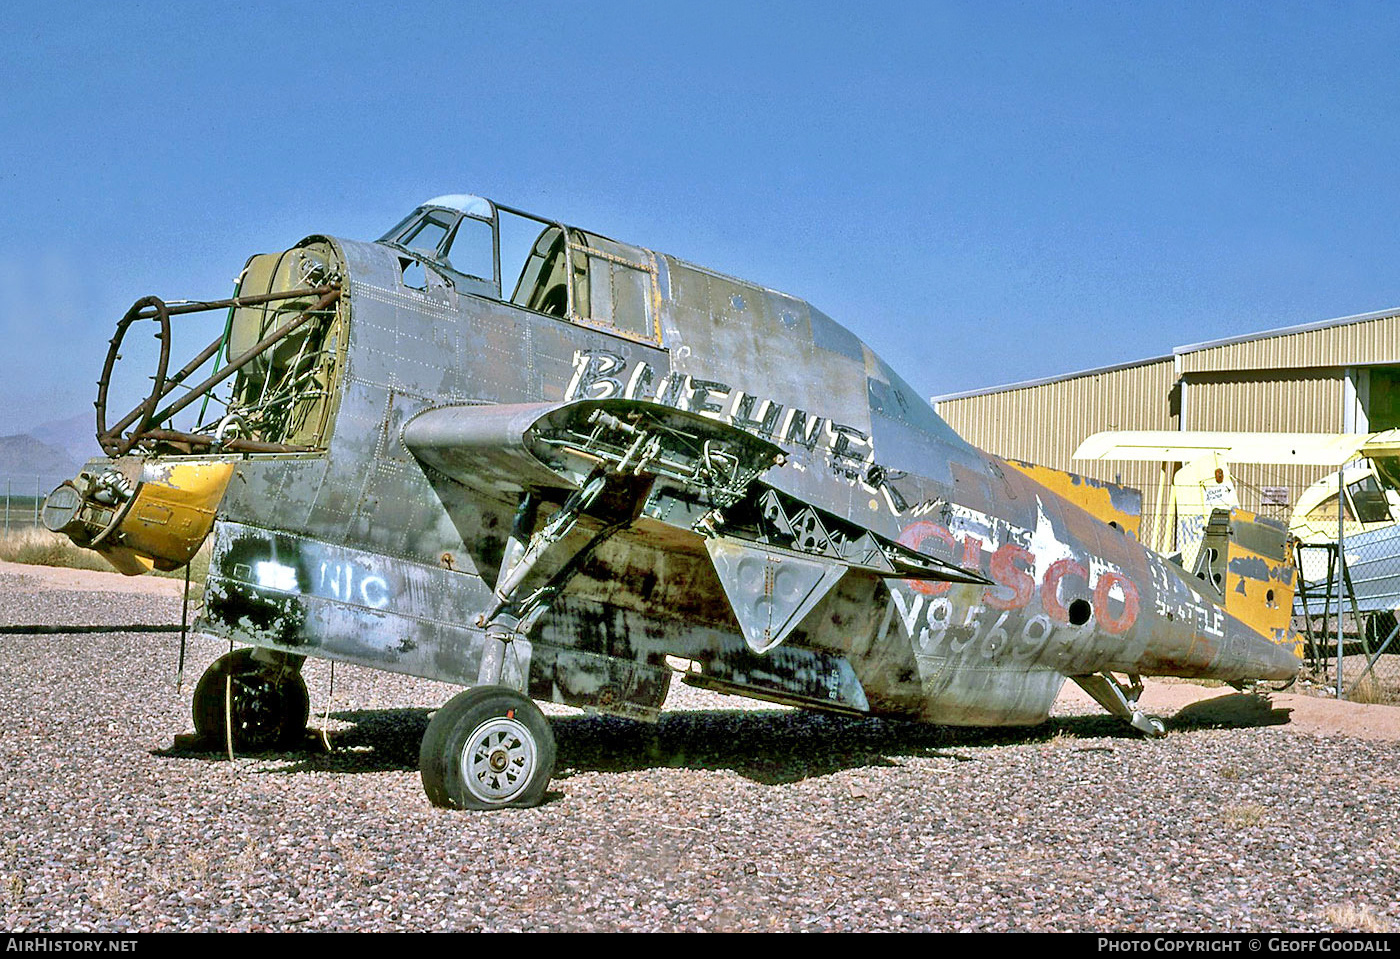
(1045, 423)
(1282, 401)
(1361, 343)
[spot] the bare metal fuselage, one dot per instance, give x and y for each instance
(369, 550)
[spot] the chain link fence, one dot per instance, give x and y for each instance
(1345, 607)
(1346, 611)
(23, 501)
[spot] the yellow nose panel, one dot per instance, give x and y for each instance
(173, 511)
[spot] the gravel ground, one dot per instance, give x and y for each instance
(727, 815)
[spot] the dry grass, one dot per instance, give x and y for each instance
(11, 879)
(110, 893)
(1367, 690)
(40, 547)
(1355, 919)
(358, 865)
(1249, 814)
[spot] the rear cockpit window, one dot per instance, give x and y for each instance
(613, 285)
(523, 260)
(427, 237)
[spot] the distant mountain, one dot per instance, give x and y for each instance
(76, 435)
(27, 463)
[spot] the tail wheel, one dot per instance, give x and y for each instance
(268, 706)
(487, 748)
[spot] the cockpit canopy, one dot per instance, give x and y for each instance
(481, 248)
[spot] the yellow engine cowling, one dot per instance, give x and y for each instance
(140, 514)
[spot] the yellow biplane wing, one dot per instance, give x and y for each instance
(1184, 446)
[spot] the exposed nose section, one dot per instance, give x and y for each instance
(140, 514)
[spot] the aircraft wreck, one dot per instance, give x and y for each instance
(503, 452)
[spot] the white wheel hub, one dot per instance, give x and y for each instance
(499, 760)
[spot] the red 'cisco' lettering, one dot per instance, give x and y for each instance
(1010, 577)
(1050, 586)
(1011, 566)
(1128, 616)
(914, 536)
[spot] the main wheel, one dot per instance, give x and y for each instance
(269, 706)
(487, 748)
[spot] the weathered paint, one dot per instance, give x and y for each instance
(942, 583)
(1107, 502)
(174, 509)
(1253, 558)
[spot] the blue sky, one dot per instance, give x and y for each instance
(984, 192)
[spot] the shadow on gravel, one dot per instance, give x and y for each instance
(785, 746)
(766, 746)
(378, 740)
(1238, 711)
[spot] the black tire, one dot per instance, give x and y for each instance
(1378, 628)
(487, 748)
(270, 705)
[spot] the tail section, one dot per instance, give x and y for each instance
(1248, 560)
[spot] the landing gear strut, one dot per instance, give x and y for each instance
(1122, 701)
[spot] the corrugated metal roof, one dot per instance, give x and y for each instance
(1363, 341)
(1027, 384)
(1314, 346)
(1287, 330)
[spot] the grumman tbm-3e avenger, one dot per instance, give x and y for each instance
(510, 454)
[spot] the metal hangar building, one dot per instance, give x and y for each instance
(1332, 376)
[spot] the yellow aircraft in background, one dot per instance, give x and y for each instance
(1369, 492)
